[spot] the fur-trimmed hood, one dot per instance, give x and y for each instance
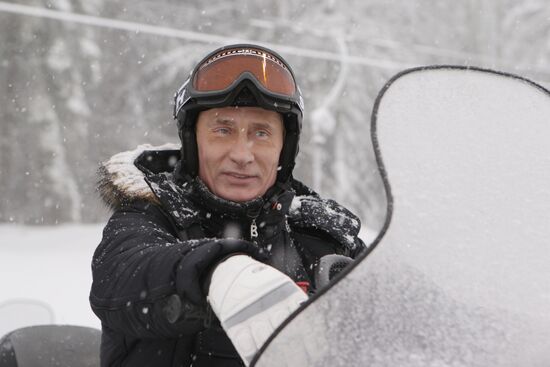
(120, 179)
(145, 173)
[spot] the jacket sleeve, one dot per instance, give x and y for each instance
(143, 275)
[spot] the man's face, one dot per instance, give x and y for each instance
(239, 150)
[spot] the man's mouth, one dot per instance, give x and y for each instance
(239, 176)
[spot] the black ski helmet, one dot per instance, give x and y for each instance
(240, 75)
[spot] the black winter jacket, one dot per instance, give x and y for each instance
(164, 236)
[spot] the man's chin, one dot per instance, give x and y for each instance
(239, 195)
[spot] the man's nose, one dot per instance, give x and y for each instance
(241, 151)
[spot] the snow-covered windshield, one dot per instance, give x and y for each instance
(460, 278)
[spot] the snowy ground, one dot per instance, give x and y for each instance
(45, 275)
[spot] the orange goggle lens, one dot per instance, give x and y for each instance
(221, 70)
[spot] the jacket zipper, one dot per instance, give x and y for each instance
(253, 230)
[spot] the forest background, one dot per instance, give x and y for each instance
(84, 79)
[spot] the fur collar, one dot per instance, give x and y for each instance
(120, 180)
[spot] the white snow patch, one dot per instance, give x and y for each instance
(296, 204)
(90, 48)
(64, 5)
(368, 235)
(58, 56)
(45, 275)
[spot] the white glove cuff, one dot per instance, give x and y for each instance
(251, 300)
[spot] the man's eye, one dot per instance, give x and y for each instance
(222, 131)
(262, 134)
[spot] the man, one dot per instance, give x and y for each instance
(209, 242)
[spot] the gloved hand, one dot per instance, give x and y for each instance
(251, 300)
(196, 264)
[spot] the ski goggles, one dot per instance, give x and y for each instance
(221, 70)
(218, 74)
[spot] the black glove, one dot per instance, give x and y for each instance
(196, 265)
